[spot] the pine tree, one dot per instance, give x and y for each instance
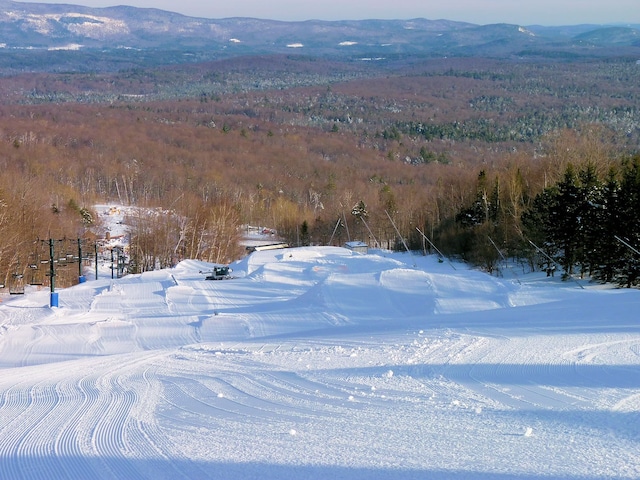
(607, 250)
(359, 210)
(480, 210)
(590, 215)
(565, 229)
(537, 222)
(629, 273)
(305, 236)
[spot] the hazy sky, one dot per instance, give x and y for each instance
(522, 12)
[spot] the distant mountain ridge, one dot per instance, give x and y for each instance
(39, 26)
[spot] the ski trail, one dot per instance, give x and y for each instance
(104, 411)
(19, 436)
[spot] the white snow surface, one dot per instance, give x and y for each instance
(320, 363)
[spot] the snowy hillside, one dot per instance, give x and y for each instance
(318, 363)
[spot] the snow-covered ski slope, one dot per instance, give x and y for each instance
(317, 363)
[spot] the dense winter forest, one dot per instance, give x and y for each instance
(483, 159)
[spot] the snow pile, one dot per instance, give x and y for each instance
(319, 362)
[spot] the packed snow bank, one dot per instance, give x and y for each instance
(319, 362)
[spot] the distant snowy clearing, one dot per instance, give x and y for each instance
(316, 363)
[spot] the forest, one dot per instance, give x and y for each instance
(535, 162)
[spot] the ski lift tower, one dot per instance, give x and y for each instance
(52, 275)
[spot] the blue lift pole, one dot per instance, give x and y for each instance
(52, 275)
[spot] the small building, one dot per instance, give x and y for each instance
(357, 246)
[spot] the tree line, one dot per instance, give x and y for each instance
(588, 223)
(320, 165)
(583, 220)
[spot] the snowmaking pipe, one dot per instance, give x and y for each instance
(434, 247)
(554, 262)
(627, 245)
(401, 237)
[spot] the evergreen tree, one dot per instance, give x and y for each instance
(479, 211)
(359, 211)
(629, 204)
(590, 215)
(537, 222)
(305, 236)
(480, 222)
(607, 250)
(565, 228)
